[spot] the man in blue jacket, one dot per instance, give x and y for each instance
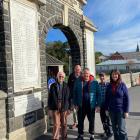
(87, 100)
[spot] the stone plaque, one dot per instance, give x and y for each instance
(27, 103)
(24, 29)
(29, 118)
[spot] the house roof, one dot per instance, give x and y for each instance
(52, 61)
(131, 55)
(103, 57)
(119, 62)
(116, 56)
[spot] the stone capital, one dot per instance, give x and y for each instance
(89, 24)
(3, 95)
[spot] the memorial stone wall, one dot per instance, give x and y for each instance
(23, 28)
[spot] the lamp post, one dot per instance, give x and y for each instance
(131, 79)
(82, 25)
(68, 51)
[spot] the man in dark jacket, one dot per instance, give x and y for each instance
(59, 105)
(104, 118)
(72, 78)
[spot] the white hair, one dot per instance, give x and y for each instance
(86, 69)
(60, 73)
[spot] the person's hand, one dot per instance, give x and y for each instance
(50, 113)
(126, 115)
(107, 113)
(97, 109)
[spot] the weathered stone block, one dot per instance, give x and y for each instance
(3, 96)
(29, 133)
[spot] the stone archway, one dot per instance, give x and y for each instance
(69, 34)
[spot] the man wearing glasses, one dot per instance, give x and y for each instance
(59, 105)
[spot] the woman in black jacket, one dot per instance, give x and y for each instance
(59, 105)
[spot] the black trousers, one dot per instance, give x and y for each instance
(82, 113)
(106, 122)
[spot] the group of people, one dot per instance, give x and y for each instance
(84, 96)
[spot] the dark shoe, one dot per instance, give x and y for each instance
(109, 136)
(80, 138)
(73, 126)
(103, 135)
(91, 138)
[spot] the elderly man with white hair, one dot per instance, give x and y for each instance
(59, 105)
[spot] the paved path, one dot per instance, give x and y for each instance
(133, 122)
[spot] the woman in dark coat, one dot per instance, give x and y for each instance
(59, 105)
(117, 105)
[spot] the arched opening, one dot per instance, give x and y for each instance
(73, 43)
(70, 47)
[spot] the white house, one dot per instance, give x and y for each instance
(122, 65)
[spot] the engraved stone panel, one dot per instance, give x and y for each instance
(24, 46)
(90, 51)
(27, 103)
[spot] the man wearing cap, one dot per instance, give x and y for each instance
(104, 118)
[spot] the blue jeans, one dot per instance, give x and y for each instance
(118, 125)
(107, 126)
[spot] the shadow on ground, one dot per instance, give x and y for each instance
(72, 134)
(138, 136)
(134, 113)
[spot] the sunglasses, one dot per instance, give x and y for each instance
(61, 76)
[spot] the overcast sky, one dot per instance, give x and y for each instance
(118, 23)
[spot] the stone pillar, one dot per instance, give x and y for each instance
(28, 121)
(3, 128)
(89, 45)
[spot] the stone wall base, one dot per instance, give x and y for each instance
(31, 132)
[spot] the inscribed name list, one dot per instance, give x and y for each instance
(24, 46)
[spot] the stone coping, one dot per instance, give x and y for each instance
(83, 1)
(89, 24)
(42, 1)
(3, 95)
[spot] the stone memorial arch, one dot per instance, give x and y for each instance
(23, 81)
